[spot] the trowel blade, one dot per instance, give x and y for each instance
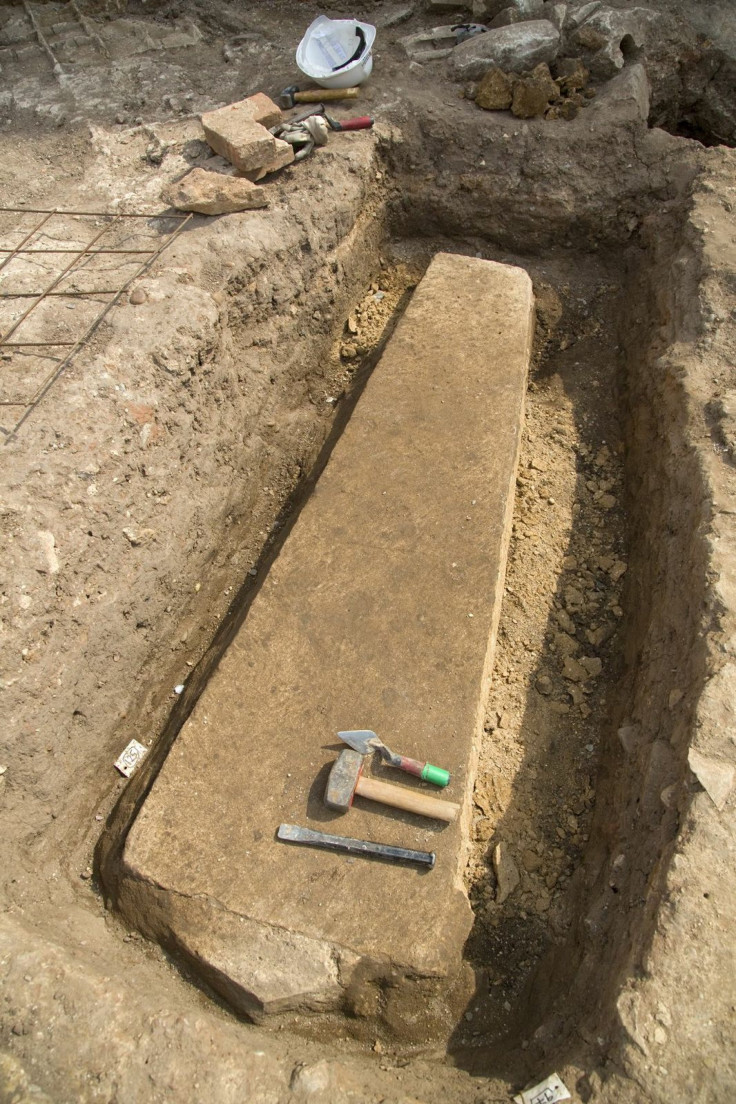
(361, 740)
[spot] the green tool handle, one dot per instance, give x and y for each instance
(436, 775)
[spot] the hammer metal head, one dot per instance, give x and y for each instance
(343, 779)
(286, 99)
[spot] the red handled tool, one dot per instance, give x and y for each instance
(363, 122)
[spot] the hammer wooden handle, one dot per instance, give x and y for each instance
(401, 798)
(320, 95)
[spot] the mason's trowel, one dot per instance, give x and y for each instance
(365, 741)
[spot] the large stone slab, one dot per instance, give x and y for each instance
(379, 612)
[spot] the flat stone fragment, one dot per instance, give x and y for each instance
(518, 48)
(379, 612)
(715, 776)
(212, 193)
(507, 874)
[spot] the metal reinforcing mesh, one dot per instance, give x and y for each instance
(60, 274)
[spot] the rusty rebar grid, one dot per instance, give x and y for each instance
(55, 66)
(14, 252)
(80, 255)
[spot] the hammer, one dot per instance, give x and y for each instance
(346, 780)
(291, 95)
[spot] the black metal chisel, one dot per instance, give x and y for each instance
(292, 833)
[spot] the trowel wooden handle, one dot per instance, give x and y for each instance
(400, 798)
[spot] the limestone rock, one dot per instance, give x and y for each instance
(606, 33)
(16, 1086)
(433, 6)
(555, 13)
(625, 98)
(715, 776)
(588, 38)
(394, 16)
(629, 736)
(531, 861)
(517, 11)
(578, 13)
(210, 193)
(507, 18)
(485, 10)
(494, 91)
(432, 45)
(592, 665)
(507, 874)
(47, 544)
(619, 568)
(517, 48)
(324, 1082)
(530, 9)
(573, 670)
(571, 75)
(533, 93)
(137, 537)
(566, 644)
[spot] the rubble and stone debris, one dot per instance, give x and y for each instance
(533, 93)
(571, 75)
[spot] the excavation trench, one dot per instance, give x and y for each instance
(582, 779)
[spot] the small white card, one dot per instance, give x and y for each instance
(131, 758)
(549, 1091)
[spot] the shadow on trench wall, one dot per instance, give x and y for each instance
(564, 1006)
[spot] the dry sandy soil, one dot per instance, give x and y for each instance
(145, 493)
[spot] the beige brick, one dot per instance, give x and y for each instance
(263, 109)
(232, 132)
(284, 156)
